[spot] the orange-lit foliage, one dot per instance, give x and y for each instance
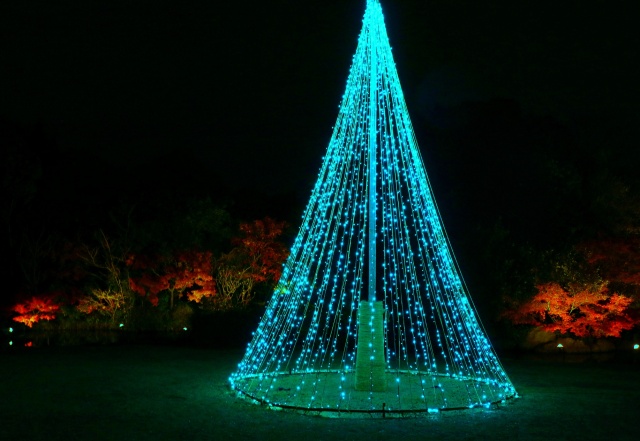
(261, 250)
(256, 259)
(583, 312)
(35, 309)
(188, 273)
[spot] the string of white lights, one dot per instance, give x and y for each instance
(372, 233)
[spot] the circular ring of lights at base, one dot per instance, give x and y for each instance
(333, 393)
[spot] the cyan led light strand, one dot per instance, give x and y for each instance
(372, 231)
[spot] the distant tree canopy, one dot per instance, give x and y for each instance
(111, 283)
(527, 202)
(586, 311)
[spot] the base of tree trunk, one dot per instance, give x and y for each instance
(370, 360)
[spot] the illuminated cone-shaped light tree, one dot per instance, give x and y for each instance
(371, 314)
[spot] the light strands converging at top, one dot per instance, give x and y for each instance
(372, 232)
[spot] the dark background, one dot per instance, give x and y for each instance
(253, 89)
(522, 109)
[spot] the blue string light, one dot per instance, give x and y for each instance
(372, 231)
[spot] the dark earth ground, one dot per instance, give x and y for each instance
(156, 392)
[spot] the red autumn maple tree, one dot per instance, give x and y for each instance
(583, 312)
(31, 311)
(187, 273)
(261, 249)
(257, 258)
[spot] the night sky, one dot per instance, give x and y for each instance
(250, 91)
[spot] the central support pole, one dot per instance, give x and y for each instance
(370, 360)
(373, 135)
(370, 357)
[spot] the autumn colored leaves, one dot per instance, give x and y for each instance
(224, 282)
(131, 280)
(598, 299)
(585, 312)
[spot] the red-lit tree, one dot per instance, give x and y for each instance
(256, 259)
(187, 273)
(31, 311)
(87, 275)
(262, 251)
(585, 311)
(617, 260)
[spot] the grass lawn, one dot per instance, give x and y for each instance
(151, 392)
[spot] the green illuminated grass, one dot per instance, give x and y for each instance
(176, 393)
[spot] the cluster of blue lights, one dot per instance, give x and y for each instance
(372, 232)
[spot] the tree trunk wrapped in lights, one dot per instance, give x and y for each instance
(371, 314)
